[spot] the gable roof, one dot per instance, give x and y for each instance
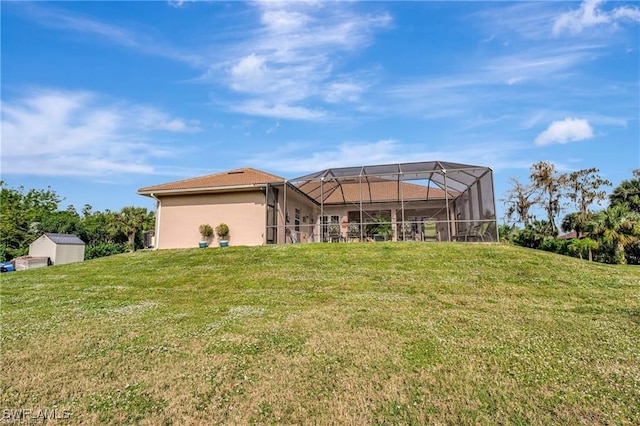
(238, 178)
(64, 239)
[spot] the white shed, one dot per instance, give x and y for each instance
(59, 248)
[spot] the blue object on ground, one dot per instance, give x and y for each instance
(6, 267)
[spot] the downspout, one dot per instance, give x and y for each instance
(158, 213)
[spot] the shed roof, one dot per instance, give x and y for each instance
(233, 178)
(64, 239)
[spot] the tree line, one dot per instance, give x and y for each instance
(610, 234)
(27, 214)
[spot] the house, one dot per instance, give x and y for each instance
(59, 248)
(408, 201)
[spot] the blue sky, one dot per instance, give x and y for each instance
(102, 98)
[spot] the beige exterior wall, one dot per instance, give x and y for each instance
(43, 247)
(306, 231)
(180, 216)
(68, 253)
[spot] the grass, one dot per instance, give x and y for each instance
(381, 333)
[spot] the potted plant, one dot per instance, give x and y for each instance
(206, 231)
(380, 229)
(222, 231)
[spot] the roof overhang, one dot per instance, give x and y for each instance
(205, 190)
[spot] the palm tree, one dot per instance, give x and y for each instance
(579, 245)
(619, 227)
(130, 220)
(628, 193)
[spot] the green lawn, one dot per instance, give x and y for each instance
(382, 333)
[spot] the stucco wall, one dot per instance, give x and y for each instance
(180, 216)
(307, 229)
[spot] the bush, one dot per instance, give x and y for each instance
(206, 231)
(632, 252)
(104, 249)
(222, 230)
(558, 246)
(507, 233)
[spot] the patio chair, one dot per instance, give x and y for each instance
(477, 232)
(353, 232)
(430, 231)
(480, 231)
(406, 232)
(334, 233)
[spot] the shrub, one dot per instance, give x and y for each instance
(104, 249)
(222, 230)
(206, 231)
(556, 245)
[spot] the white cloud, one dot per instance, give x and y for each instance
(278, 110)
(284, 21)
(514, 80)
(343, 91)
(567, 130)
(300, 158)
(291, 58)
(177, 3)
(343, 155)
(149, 119)
(65, 20)
(57, 133)
(530, 20)
(590, 14)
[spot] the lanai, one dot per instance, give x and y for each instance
(458, 197)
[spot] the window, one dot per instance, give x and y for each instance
(297, 220)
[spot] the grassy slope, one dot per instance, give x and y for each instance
(326, 333)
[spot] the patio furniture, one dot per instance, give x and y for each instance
(353, 232)
(477, 232)
(430, 231)
(406, 232)
(334, 233)
(481, 231)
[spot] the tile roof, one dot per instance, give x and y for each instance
(64, 239)
(238, 177)
(372, 190)
(348, 190)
